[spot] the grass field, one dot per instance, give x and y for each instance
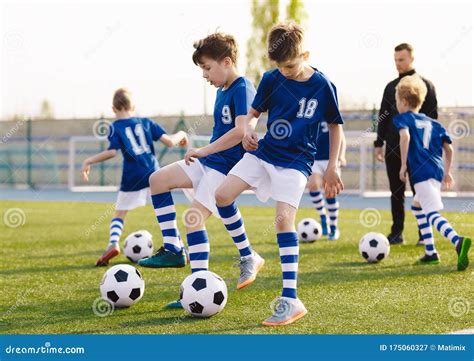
(49, 283)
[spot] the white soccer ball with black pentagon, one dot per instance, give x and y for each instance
(138, 245)
(374, 247)
(122, 285)
(309, 230)
(203, 294)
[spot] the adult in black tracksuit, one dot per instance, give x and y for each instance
(386, 132)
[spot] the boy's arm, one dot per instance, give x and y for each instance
(180, 138)
(228, 140)
(100, 157)
(404, 142)
(342, 151)
(448, 160)
(332, 182)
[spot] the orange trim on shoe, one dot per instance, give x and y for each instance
(251, 279)
(107, 256)
(287, 322)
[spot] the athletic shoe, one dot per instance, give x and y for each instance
(285, 311)
(249, 267)
(429, 259)
(164, 259)
(112, 251)
(462, 249)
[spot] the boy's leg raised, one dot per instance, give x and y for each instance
(161, 183)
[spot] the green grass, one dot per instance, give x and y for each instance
(48, 281)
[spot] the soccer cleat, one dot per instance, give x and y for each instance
(334, 236)
(164, 259)
(395, 239)
(429, 259)
(285, 311)
(249, 267)
(112, 251)
(174, 305)
(324, 227)
(421, 242)
(462, 249)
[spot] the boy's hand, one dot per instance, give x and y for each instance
(379, 154)
(85, 170)
(184, 141)
(250, 141)
(403, 173)
(332, 183)
(191, 154)
(448, 180)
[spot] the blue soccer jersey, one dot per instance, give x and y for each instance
(322, 141)
(134, 137)
(295, 111)
(425, 151)
(230, 103)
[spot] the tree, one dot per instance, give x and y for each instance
(265, 14)
(46, 110)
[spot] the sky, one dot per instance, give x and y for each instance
(75, 54)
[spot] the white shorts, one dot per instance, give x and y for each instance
(428, 194)
(320, 166)
(130, 200)
(281, 184)
(205, 183)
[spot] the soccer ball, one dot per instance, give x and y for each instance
(138, 245)
(203, 294)
(309, 230)
(374, 247)
(122, 285)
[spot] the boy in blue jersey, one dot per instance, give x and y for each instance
(297, 98)
(422, 141)
(134, 137)
(315, 182)
(204, 169)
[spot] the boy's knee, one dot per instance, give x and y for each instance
(222, 197)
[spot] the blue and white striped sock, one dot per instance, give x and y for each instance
(318, 203)
(116, 228)
(166, 215)
(333, 211)
(198, 244)
(442, 226)
(425, 230)
(235, 226)
(289, 250)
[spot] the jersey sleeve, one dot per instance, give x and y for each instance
(261, 102)
(156, 130)
(399, 122)
(243, 98)
(445, 138)
(113, 138)
(332, 114)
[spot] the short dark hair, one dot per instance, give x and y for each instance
(217, 46)
(404, 46)
(285, 42)
(122, 100)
